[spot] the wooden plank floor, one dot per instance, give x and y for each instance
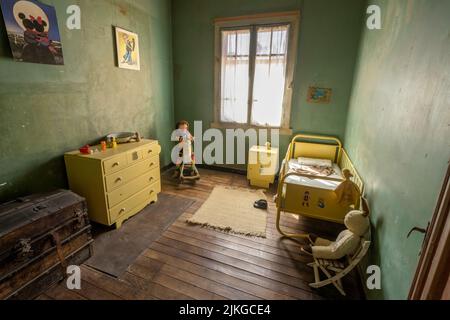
(190, 262)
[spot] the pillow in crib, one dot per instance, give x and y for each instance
(323, 163)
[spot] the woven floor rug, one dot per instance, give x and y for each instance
(231, 210)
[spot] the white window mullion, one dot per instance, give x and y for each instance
(253, 48)
(271, 46)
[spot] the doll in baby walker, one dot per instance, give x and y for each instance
(186, 168)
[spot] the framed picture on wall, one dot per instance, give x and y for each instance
(127, 46)
(319, 95)
(33, 32)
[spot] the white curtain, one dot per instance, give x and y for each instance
(235, 75)
(270, 76)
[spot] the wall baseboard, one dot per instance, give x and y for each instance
(242, 172)
(209, 167)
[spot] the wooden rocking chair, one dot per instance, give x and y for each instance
(339, 269)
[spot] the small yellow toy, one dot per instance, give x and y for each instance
(114, 143)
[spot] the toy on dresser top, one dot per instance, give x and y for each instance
(112, 141)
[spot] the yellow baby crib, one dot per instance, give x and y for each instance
(310, 195)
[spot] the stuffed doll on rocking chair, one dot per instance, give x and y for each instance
(347, 243)
(336, 259)
(186, 167)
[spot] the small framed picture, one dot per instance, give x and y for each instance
(127, 44)
(319, 95)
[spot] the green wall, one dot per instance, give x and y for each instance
(329, 39)
(398, 131)
(48, 110)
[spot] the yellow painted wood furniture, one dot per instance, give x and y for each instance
(263, 164)
(117, 183)
(313, 196)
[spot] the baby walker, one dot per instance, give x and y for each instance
(188, 169)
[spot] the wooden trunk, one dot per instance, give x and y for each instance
(39, 237)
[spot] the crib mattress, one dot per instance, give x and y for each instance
(314, 183)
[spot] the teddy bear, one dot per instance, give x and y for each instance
(346, 244)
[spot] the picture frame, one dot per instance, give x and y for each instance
(319, 95)
(33, 32)
(127, 49)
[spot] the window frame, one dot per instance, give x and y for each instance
(291, 18)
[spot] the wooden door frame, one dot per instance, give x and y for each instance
(431, 281)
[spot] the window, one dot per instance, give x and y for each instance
(254, 70)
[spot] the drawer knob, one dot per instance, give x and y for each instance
(122, 210)
(150, 151)
(119, 180)
(152, 164)
(116, 164)
(152, 192)
(151, 179)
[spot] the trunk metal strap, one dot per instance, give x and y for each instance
(59, 251)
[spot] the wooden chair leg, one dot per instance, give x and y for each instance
(316, 273)
(339, 273)
(335, 280)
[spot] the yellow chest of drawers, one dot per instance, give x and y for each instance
(117, 183)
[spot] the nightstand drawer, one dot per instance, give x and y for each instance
(127, 206)
(133, 187)
(123, 177)
(115, 164)
(151, 151)
(265, 159)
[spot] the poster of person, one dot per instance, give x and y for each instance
(127, 49)
(33, 32)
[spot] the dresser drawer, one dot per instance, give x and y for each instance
(133, 187)
(134, 157)
(125, 176)
(151, 151)
(128, 206)
(115, 164)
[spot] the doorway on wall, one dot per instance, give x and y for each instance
(432, 279)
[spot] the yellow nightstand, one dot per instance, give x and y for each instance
(262, 166)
